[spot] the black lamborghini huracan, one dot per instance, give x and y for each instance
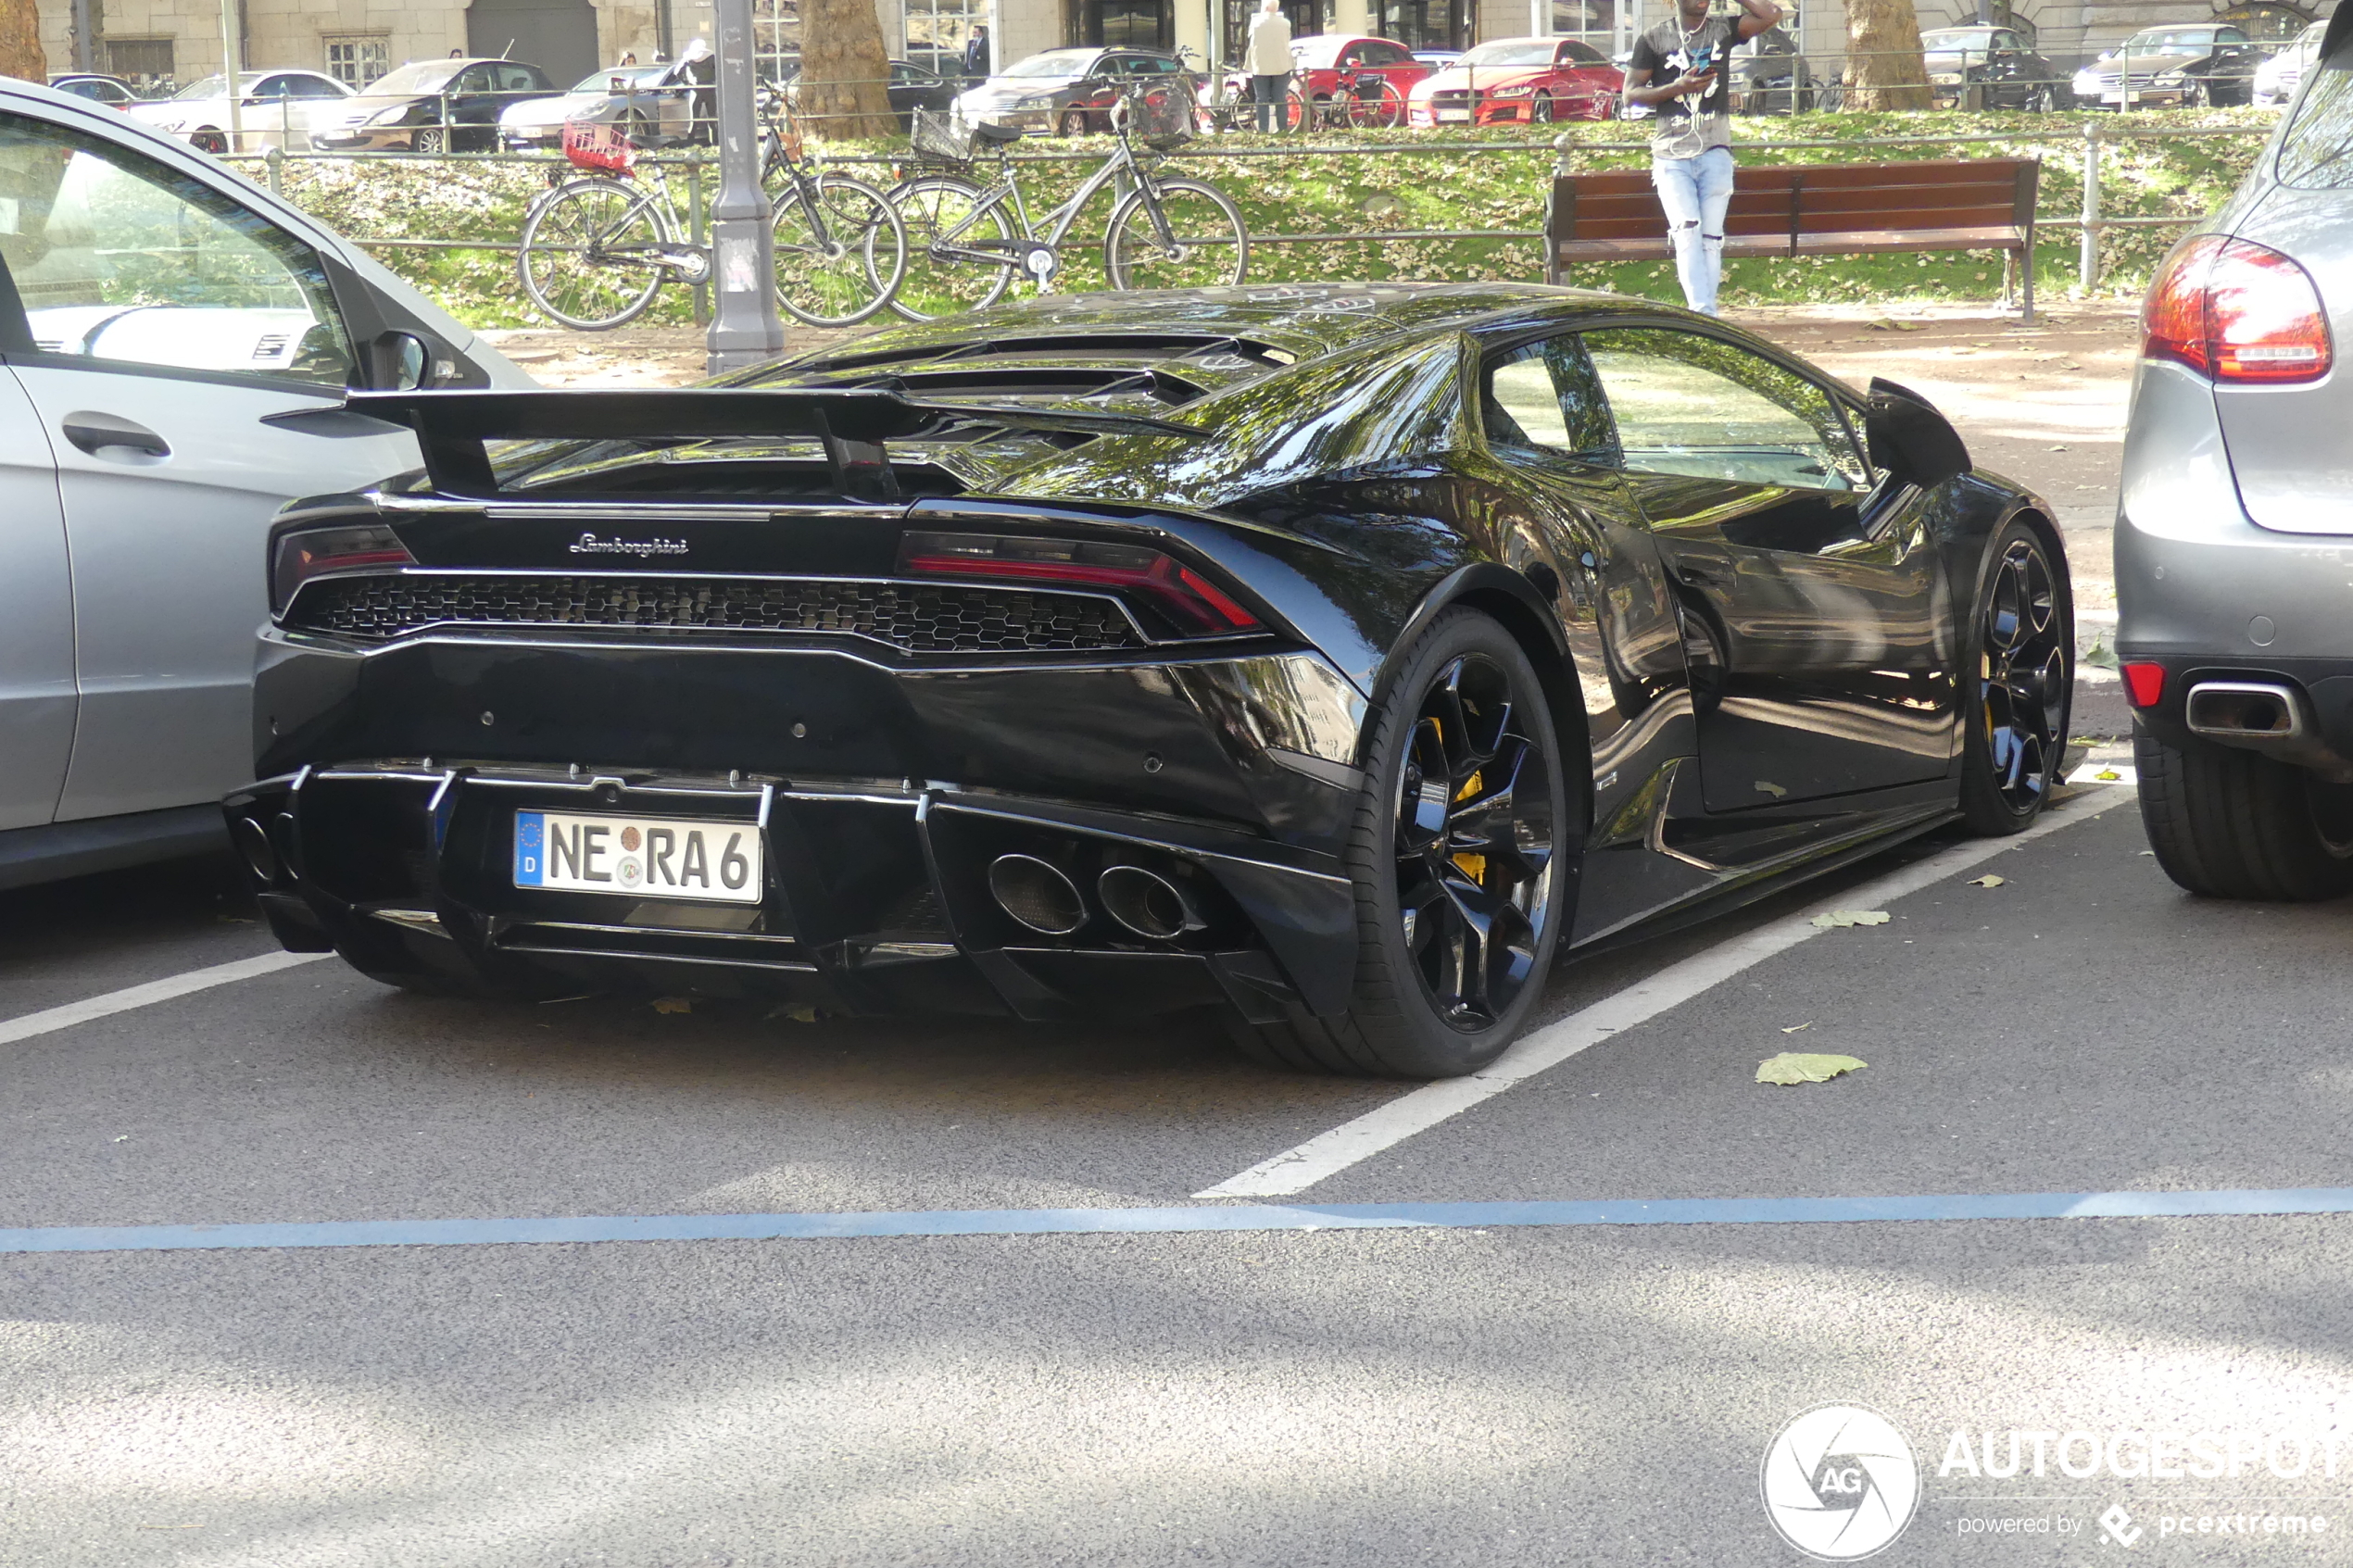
(1323, 658)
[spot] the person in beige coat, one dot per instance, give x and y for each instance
(1268, 58)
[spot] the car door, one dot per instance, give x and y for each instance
(474, 99)
(37, 698)
(168, 324)
(1814, 609)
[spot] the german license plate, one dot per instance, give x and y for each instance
(1453, 114)
(644, 857)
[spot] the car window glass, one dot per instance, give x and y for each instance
(269, 87)
(2317, 151)
(519, 79)
(1388, 54)
(2230, 35)
(1542, 397)
(1576, 54)
(1699, 406)
(474, 79)
(119, 258)
(314, 87)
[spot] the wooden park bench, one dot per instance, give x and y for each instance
(1815, 209)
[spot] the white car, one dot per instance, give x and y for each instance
(277, 110)
(175, 345)
(2277, 78)
(661, 95)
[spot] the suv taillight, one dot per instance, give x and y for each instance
(2236, 312)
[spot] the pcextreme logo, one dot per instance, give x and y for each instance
(1840, 1482)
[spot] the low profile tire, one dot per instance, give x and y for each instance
(2017, 686)
(208, 141)
(2229, 823)
(1461, 854)
(1541, 110)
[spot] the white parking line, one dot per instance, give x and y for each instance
(1326, 1154)
(154, 991)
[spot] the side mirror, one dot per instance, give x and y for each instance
(397, 362)
(1909, 439)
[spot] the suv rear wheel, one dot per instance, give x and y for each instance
(2231, 823)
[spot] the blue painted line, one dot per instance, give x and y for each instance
(1186, 1219)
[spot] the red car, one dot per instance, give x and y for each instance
(1345, 80)
(1523, 81)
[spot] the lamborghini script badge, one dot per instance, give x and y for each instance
(590, 545)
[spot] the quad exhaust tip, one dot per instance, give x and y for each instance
(1147, 903)
(2243, 711)
(1037, 895)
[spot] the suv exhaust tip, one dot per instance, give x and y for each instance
(2241, 712)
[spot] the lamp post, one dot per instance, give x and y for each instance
(744, 328)
(229, 73)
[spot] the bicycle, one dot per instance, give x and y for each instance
(1165, 233)
(597, 248)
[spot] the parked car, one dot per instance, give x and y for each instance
(433, 107)
(1325, 659)
(1525, 81)
(1999, 61)
(278, 108)
(1344, 79)
(2277, 78)
(911, 88)
(2181, 66)
(111, 90)
(1439, 58)
(1769, 76)
(668, 102)
(2234, 516)
(179, 344)
(1069, 92)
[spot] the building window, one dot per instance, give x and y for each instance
(938, 32)
(145, 63)
(356, 62)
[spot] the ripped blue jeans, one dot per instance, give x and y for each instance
(1695, 193)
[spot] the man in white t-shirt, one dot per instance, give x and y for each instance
(1268, 58)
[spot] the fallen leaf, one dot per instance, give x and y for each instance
(2058, 448)
(1804, 1067)
(1851, 917)
(2109, 774)
(799, 1013)
(1987, 881)
(674, 1004)
(1769, 788)
(1795, 1027)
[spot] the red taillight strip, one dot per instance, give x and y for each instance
(1181, 592)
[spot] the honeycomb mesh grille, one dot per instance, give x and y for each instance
(916, 618)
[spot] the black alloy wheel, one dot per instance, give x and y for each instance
(1474, 844)
(1543, 111)
(2020, 687)
(1463, 857)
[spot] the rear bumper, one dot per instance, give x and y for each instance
(883, 792)
(2205, 593)
(878, 897)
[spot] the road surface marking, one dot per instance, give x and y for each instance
(1181, 1219)
(154, 991)
(1327, 1153)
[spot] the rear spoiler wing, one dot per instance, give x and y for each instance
(852, 424)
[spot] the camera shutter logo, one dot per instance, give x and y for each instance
(1840, 1483)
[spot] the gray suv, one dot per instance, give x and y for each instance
(2234, 523)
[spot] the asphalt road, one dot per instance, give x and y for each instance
(1491, 1394)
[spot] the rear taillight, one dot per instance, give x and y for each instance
(2144, 684)
(315, 552)
(1190, 602)
(2236, 312)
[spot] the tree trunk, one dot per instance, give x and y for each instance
(21, 53)
(1884, 67)
(843, 74)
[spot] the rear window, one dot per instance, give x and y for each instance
(2317, 152)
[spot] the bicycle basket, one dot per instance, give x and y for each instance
(592, 143)
(1164, 115)
(944, 136)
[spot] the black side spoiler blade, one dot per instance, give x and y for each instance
(852, 424)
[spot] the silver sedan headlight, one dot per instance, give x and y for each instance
(2087, 81)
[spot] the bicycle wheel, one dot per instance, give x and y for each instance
(1375, 105)
(945, 221)
(1205, 244)
(841, 250)
(587, 254)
